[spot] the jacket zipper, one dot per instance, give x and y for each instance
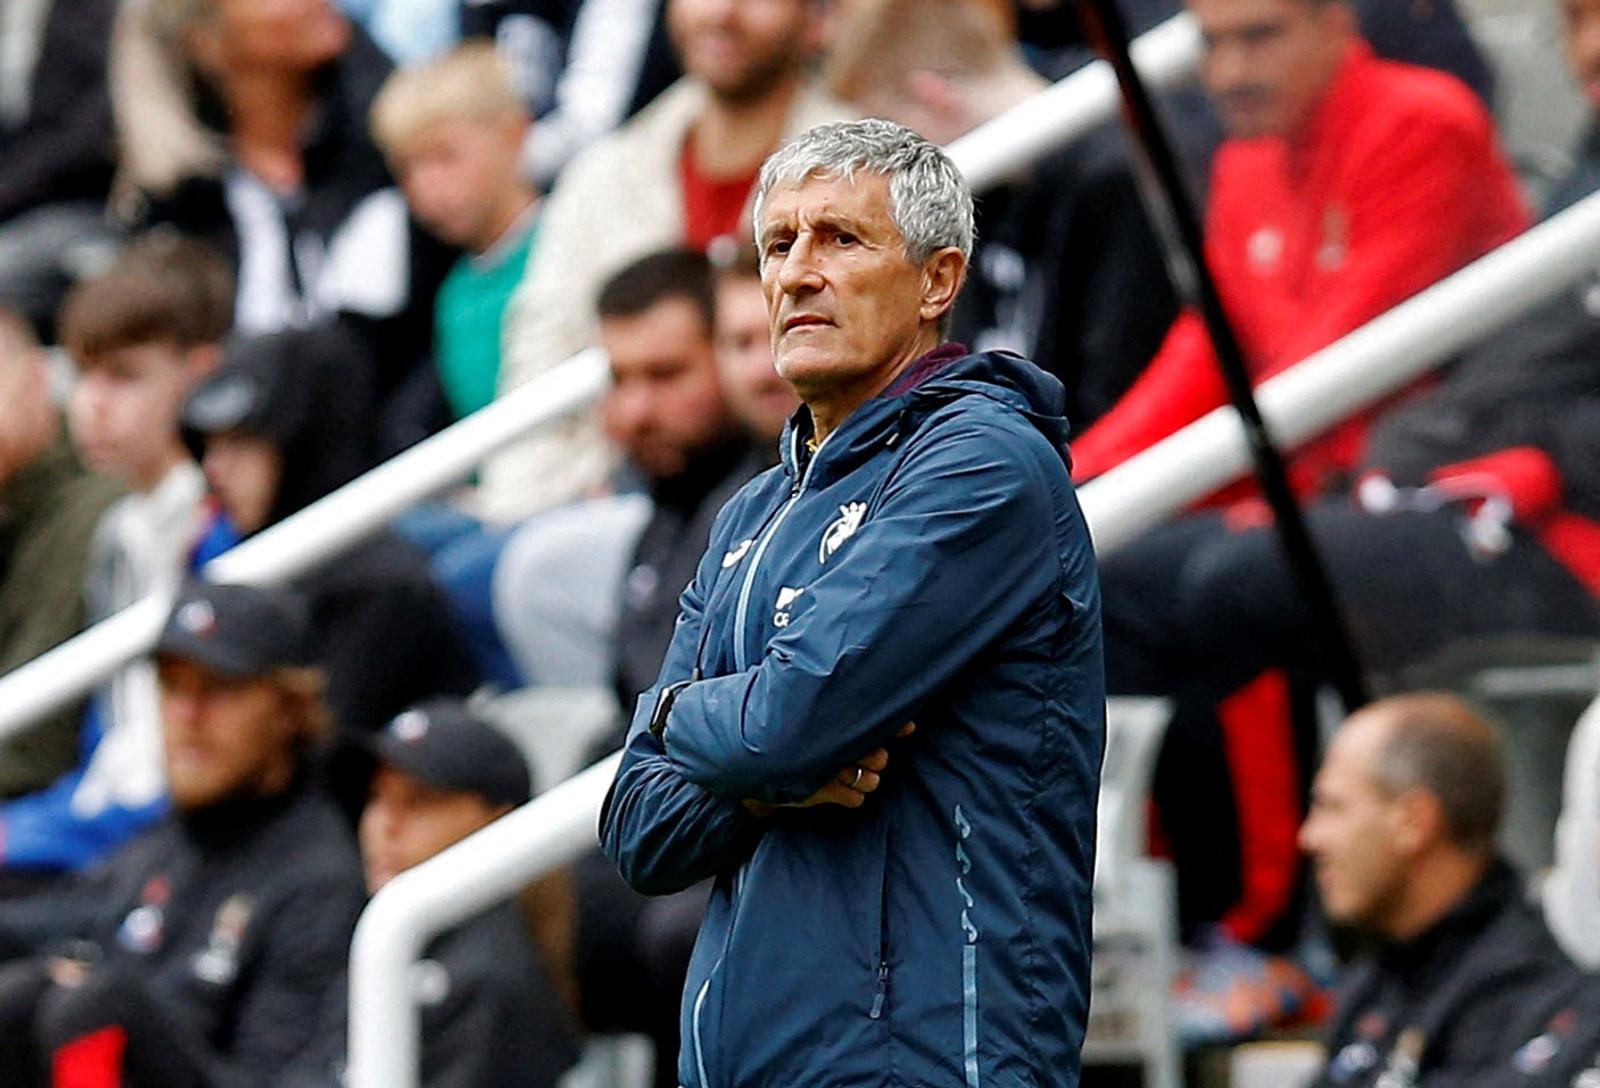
(740, 615)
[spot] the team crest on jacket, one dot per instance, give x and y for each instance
(841, 529)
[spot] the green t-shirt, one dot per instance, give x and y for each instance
(468, 316)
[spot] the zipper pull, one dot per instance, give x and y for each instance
(883, 990)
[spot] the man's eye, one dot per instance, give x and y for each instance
(845, 238)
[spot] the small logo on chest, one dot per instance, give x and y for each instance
(841, 529)
(786, 598)
(733, 556)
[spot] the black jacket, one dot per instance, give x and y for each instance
(63, 149)
(235, 919)
(668, 551)
(489, 1016)
(1068, 273)
(1561, 1046)
(1445, 1007)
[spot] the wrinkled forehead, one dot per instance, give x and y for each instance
(861, 199)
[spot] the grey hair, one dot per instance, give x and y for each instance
(929, 199)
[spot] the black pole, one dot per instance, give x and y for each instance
(1105, 28)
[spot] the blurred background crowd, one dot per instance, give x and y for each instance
(252, 249)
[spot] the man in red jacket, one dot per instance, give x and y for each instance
(1348, 183)
(1476, 517)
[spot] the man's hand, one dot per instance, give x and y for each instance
(849, 787)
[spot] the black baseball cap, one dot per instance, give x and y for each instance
(238, 631)
(443, 743)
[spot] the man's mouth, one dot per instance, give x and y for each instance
(800, 321)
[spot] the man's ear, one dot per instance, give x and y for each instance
(1419, 821)
(942, 277)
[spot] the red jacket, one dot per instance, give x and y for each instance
(1396, 181)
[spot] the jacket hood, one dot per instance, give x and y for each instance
(943, 376)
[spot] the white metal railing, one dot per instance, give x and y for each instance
(314, 535)
(1355, 372)
(988, 155)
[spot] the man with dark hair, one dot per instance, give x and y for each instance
(1347, 184)
(667, 415)
(49, 508)
(1402, 829)
(756, 392)
(442, 774)
(587, 595)
(198, 955)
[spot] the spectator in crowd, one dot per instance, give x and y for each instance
(286, 180)
(143, 333)
(453, 130)
(1067, 270)
(1347, 184)
(442, 774)
(756, 393)
(1432, 34)
(1480, 517)
(680, 172)
(55, 148)
(279, 424)
(49, 507)
(666, 412)
(587, 595)
(198, 955)
(1402, 832)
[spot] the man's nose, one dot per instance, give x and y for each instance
(799, 272)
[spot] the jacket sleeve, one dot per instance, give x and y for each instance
(662, 831)
(963, 543)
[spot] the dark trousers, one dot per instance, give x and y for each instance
(1208, 614)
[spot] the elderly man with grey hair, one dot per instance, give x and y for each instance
(894, 903)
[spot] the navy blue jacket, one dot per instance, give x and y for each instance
(929, 563)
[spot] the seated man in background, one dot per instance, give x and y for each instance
(757, 395)
(1402, 832)
(442, 774)
(1066, 270)
(1478, 517)
(279, 423)
(586, 595)
(1347, 184)
(198, 955)
(49, 507)
(142, 333)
